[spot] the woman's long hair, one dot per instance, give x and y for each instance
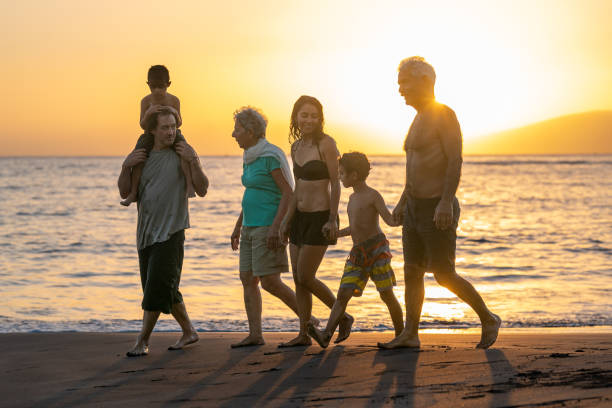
(294, 131)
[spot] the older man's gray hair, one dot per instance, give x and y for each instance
(417, 66)
(252, 119)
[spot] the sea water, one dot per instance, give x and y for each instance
(535, 239)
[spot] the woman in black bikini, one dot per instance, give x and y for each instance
(311, 221)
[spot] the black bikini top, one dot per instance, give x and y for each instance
(311, 170)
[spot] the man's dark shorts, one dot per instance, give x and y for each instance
(160, 273)
(425, 246)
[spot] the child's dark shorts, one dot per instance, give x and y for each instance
(306, 228)
(426, 246)
(369, 259)
(146, 141)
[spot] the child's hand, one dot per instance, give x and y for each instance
(153, 109)
(330, 230)
(325, 231)
(136, 157)
(185, 151)
(398, 215)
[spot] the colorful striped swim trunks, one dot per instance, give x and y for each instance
(369, 259)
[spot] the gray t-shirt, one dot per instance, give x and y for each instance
(162, 200)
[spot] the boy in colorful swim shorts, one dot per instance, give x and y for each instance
(370, 257)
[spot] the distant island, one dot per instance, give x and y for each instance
(580, 133)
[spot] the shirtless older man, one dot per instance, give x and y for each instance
(428, 206)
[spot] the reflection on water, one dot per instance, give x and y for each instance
(535, 238)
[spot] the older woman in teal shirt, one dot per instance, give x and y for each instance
(268, 190)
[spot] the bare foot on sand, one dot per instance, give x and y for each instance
(186, 339)
(249, 341)
(344, 328)
(322, 338)
(128, 200)
(297, 342)
(490, 330)
(139, 350)
(404, 340)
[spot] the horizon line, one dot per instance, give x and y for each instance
(239, 155)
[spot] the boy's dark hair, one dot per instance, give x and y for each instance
(356, 162)
(158, 73)
(153, 119)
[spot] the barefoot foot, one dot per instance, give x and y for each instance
(299, 341)
(188, 338)
(490, 331)
(344, 328)
(404, 340)
(249, 341)
(314, 321)
(139, 350)
(322, 338)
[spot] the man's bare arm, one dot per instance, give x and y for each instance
(450, 134)
(398, 211)
(450, 137)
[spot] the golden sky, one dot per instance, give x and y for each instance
(75, 71)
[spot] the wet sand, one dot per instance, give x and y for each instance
(521, 370)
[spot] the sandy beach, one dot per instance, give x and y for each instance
(522, 370)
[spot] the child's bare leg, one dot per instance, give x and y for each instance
(133, 196)
(337, 313)
(395, 310)
(187, 171)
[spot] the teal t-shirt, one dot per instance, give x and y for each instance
(261, 196)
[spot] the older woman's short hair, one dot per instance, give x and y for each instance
(252, 119)
(417, 66)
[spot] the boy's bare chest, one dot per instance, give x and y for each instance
(360, 208)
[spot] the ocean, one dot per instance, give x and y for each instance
(535, 239)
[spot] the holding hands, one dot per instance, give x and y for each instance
(274, 240)
(330, 230)
(398, 215)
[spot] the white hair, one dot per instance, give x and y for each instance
(252, 119)
(417, 66)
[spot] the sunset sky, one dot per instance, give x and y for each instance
(75, 71)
